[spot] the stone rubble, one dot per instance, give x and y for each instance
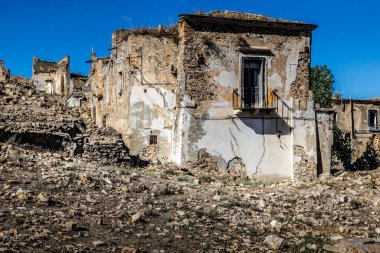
(51, 204)
(37, 120)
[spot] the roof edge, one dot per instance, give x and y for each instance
(262, 23)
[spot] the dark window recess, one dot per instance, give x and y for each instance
(120, 84)
(253, 82)
(372, 120)
(104, 121)
(62, 85)
(153, 140)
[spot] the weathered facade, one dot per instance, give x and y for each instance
(359, 120)
(224, 91)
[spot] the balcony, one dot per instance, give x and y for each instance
(273, 103)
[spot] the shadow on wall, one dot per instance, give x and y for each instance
(342, 152)
(137, 161)
(266, 124)
(368, 161)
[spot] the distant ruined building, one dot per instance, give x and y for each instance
(55, 78)
(359, 122)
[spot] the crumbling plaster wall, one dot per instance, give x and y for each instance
(211, 70)
(145, 104)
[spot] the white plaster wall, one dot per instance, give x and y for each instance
(152, 110)
(74, 102)
(40, 81)
(263, 154)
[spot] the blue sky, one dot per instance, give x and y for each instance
(347, 40)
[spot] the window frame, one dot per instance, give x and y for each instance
(375, 127)
(151, 138)
(263, 97)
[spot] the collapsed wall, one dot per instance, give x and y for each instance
(38, 121)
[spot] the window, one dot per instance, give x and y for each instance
(372, 120)
(153, 139)
(252, 82)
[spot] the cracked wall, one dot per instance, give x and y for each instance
(210, 62)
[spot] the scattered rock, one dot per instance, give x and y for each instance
(98, 243)
(274, 242)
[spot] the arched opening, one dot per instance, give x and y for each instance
(62, 85)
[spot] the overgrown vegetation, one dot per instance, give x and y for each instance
(322, 81)
(341, 148)
(342, 152)
(368, 161)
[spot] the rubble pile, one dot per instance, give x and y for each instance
(105, 146)
(40, 121)
(49, 204)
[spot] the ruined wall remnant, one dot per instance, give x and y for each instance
(304, 168)
(325, 140)
(300, 88)
(4, 72)
(55, 78)
(52, 77)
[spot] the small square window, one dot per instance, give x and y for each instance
(153, 140)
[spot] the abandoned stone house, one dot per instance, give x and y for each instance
(55, 78)
(223, 90)
(359, 120)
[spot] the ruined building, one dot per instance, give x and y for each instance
(359, 121)
(55, 78)
(221, 91)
